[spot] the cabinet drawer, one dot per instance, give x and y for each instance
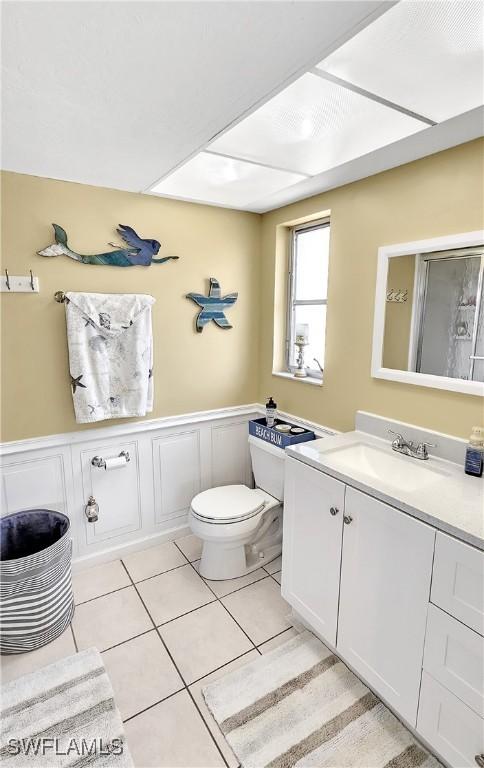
(451, 728)
(458, 581)
(454, 655)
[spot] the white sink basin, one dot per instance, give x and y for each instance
(395, 470)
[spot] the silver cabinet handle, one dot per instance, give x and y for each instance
(347, 519)
(334, 510)
(480, 760)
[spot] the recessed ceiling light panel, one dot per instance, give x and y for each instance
(314, 125)
(425, 56)
(208, 178)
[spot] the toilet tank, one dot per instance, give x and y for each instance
(268, 467)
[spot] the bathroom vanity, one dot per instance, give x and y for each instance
(382, 558)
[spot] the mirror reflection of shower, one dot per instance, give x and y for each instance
(450, 308)
(439, 328)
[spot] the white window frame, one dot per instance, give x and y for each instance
(292, 302)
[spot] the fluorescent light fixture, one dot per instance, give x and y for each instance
(314, 125)
(425, 56)
(208, 178)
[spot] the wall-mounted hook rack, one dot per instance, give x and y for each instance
(397, 295)
(19, 283)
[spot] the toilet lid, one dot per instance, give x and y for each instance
(227, 504)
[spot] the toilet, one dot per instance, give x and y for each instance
(241, 527)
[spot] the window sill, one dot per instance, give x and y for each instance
(307, 380)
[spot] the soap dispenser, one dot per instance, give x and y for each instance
(271, 410)
(475, 452)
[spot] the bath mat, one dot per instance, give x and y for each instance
(63, 716)
(301, 706)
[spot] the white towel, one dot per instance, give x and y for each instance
(110, 354)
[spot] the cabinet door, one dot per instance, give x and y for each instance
(385, 586)
(311, 550)
(452, 729)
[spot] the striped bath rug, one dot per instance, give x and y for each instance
(63, 716)
(301, 706)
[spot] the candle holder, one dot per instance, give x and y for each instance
(300, 372)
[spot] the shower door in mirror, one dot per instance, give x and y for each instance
(449, 321)
(434, 317)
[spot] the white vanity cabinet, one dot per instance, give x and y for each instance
(344, 548)
(451, 709)
(385, 586)
(401, 603)
(313, 522)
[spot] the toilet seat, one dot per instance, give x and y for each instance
(228, 504)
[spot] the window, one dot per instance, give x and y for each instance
(307, 294)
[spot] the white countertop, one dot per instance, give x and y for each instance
(451, 501)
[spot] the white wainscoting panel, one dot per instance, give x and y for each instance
(230, 454)
(117, 492)
(39, 480)
(176, 473)
(145, 502)
(34, 484)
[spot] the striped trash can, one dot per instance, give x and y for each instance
(36, 600)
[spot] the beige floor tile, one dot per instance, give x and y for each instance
(191, 546)
(277, 576)
(150, 562)
(173, 593)
(274, 565)
(203, 640)
(196, 691)
(172, 735)
(225, 587)
(141, 673)
(279, 640)
(110, 620)
(259, 609)
(13, 665)
(99, 580)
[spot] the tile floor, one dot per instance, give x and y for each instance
(164, 633)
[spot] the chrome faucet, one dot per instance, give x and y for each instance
(409, 448)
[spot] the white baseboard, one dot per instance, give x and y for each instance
(119, 551)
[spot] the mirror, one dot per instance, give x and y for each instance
(429, 315)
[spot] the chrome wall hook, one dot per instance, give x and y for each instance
(19, 283)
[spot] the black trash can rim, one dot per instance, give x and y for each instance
(44, 550)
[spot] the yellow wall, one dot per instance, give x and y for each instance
(438, 195)
(441, 194)
(192, 371)
(398, 316)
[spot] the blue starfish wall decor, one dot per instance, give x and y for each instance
(213, 306)
(139, 251)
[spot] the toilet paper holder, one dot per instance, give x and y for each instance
(100, 463)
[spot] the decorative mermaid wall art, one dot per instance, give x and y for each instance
(139, 251)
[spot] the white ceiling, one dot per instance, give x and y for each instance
(117, 94)
(129, 94)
